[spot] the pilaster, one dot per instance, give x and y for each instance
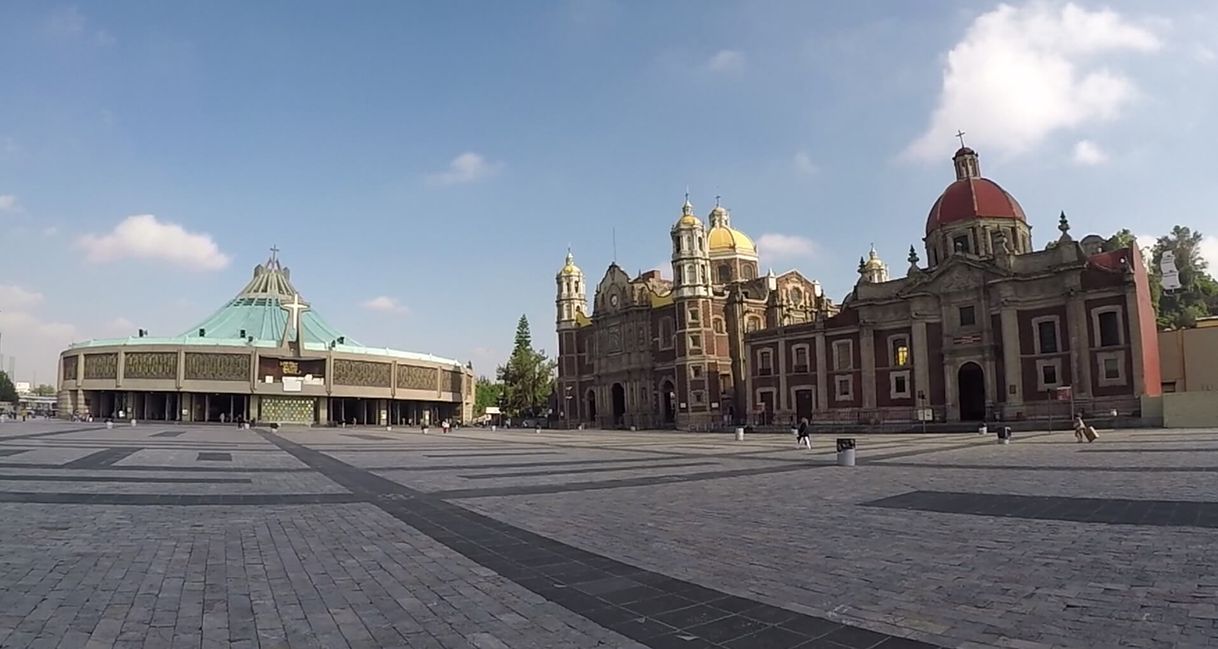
(867, 359)
(921, 363)
(822, 375)
(1080, 365)
(1011, 364)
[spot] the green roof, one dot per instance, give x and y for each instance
(256, 317)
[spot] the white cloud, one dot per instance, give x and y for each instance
(70, 23)
(1204, 54)
(15, 297)
(8, 203)
(121, 326)
(50, 231)
(1089, 153)
(1022, 73)
(726, 61)
(144, 237)
(1209, 252)
(804, 165)
(385, 304)
(785, 246)
(466, 168)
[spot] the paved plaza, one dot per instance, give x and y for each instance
(167, 536)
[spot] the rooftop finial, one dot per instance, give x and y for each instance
(960, 135)
(717, 197)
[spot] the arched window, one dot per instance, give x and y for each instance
(747, 271)
(797, 296)
(752, 323)
(725, 273)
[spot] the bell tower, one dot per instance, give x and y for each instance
(692, 315)
(571, 300)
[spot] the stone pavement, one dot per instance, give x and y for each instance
(164, 535)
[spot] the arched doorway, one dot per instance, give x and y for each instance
(667, 397)
(591, 409)
(970, 381)
(619, 404)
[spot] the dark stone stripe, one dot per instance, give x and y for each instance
(645, 481)
(169, 433)
(513, 465)
(599, 469)
(503, 454)
(52, 433)
(373, 438)
(1113, 511)
(116, 478)
(101, 459)
(212, 456)
(1042, 467)
(9, 452)
(648, 607)
(178, 500)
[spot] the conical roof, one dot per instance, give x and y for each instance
(257, 310)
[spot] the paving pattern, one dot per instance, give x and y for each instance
(209, 536)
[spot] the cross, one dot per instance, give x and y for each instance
(717, 197)
(295, 307)
(960, 134)
(274, 252)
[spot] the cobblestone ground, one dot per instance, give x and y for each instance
(163, 535)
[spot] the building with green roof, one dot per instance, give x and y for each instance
(266, 356)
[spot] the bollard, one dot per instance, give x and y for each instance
(982, 429)
(389, 429)
(633, 429)
(424, 430)
(109, 424)
(132, 422)
(537, 431)
(739, 434)
(845, 451)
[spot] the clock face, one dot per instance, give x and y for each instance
(613, 300)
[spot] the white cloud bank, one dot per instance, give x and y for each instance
(1209, 252)
(1022, 73)
(144, 237)
(8, 203)
(804, 165)
(466, 168)
(726, 61)
(1088, 153)
(785, 246)
(385, 304)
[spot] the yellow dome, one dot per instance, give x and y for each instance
(724, 238)
(569, 268)
(688, 219)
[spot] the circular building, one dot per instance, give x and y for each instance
(264, 356)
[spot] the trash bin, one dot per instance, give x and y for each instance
(739, 434)
(132, 422)
(845, 451)
(1004, 435)
(109, 424)
(982, 429)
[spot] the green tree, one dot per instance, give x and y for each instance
(1198, 293)
(8, 391)
(1122, 239)
(527, 376)
(43, 390)
(486, 393)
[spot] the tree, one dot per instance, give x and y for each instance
(1198, 293)
(486, 393)
(527, 376)
(8, 391)
(1122, 239)
(43, 390)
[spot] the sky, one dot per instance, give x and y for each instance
(423, 167)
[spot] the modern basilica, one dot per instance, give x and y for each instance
(264, 356)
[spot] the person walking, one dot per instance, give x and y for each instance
(803, 436)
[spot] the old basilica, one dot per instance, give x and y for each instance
(989, 328)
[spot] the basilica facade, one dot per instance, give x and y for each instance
(986, 328)
(655, 352)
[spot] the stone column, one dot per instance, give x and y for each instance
(784, 403)
(1080, 354)
(1133, 319)
(921, 363)
(1011, 363)
(867, 365)
(822, 375)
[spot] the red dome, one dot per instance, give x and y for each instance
(973, 198)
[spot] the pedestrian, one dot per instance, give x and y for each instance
(444, 426)
(424, 426)
(804, 434)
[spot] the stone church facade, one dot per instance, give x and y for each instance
(656, 352)
(987, 329)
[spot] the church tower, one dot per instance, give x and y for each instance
(571, 301)
(695, 340)
(873, 270)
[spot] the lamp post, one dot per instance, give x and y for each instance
(567, 396)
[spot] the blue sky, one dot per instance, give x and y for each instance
(424, 166)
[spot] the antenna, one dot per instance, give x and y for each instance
(615, 245)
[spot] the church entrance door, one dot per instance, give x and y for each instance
(619, 404)
(591, 409)
(971, 384)
(667, 394)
